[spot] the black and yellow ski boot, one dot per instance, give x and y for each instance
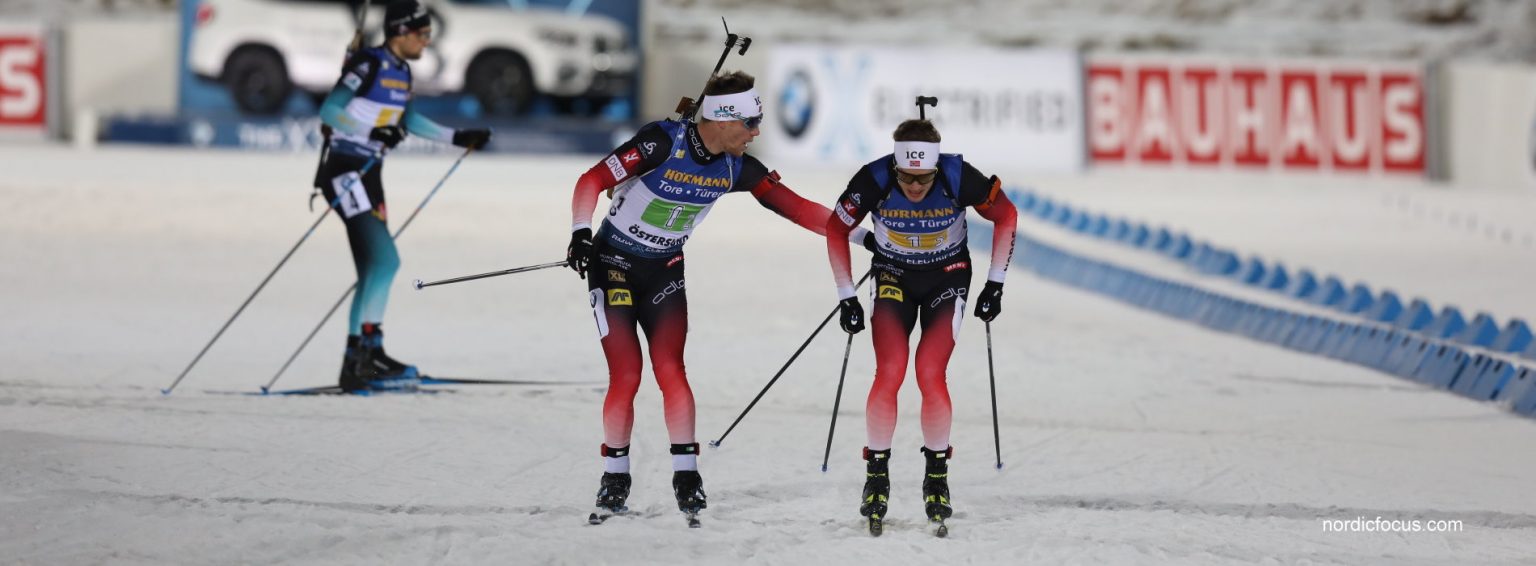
(936, 489)
(877, 488)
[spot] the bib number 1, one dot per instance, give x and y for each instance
(354, 198)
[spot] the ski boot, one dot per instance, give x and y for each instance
(689, 489)
(877, 488)
(348, 380)
(376, 371)
(613, 491)
(936, 489)
(611, 495)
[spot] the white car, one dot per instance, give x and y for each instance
(262, 50)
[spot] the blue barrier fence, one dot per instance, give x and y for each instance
(1478, 359)
(228, 130)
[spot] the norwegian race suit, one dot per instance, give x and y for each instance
(921, 272)
(665, 182)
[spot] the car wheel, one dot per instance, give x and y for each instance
(501, 82)
(257, 80)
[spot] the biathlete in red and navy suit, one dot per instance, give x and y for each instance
(921, 274)
(664, 183)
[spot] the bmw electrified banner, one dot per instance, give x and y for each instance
(839, 105)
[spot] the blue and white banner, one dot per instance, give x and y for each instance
(1001, 108)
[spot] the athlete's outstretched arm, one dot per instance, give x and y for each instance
(1004, 217)
(419, 124)
(774, 195)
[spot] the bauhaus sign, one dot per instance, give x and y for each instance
(1286, 115)
(23, 74)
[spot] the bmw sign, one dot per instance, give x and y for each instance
(797, 104)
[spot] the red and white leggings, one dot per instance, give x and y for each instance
(902, 298)
(626, 291)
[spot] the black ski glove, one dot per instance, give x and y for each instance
(852, 315)
(870, 243)
(390, 135)
(579, 255)
(989, 303)
(472, 138)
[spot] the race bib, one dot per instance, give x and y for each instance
(354, 198)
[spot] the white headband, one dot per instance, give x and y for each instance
(728, 107)
(917, 155)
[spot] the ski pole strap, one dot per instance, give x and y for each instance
(610, 452)
(685, 449)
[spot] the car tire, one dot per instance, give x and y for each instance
(502, 82)
(257, 80)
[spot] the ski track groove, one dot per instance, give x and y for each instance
(414, 509)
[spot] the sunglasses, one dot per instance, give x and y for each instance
(423, 34)
(916, 179)
(753, 122)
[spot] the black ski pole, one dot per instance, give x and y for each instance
(420, 285)
(262, 285)
(836, 401)
(352, 288)
(997, 443)
(716, 442)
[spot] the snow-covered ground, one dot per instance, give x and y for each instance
(1128, 437)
